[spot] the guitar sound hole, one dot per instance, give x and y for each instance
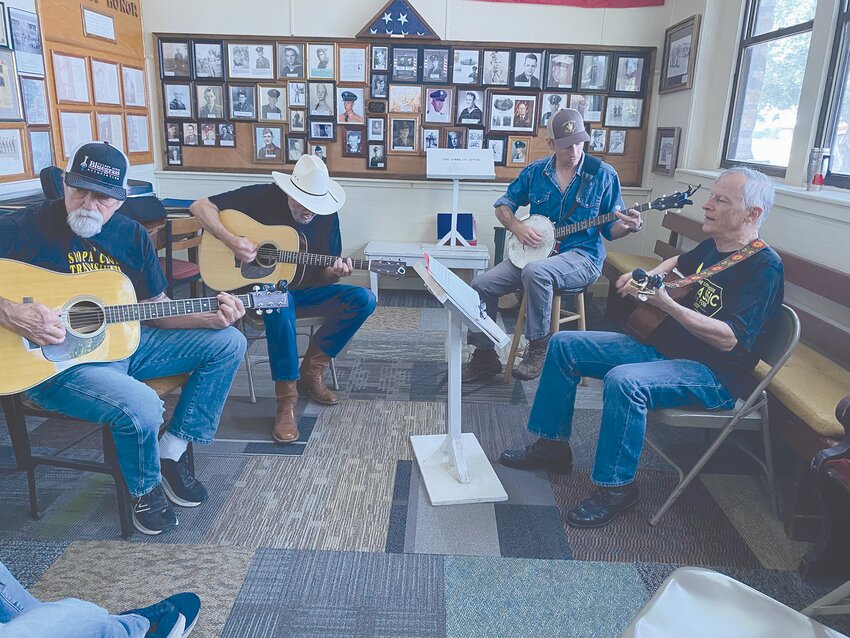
(85, 317)
(267, 255)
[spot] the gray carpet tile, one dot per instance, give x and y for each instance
(429, 382)
(407, 299)
(497, 426)
(392, 345)
(397, 527)
(531, 531)
(52, 484)
(525, 488)
(29, 559)
(363, 595)
(369, 379)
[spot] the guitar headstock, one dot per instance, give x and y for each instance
(676, 200)
(388, 268)
(269, 298)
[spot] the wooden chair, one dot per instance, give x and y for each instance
(559, 317)
(182, 233)
(17, 411)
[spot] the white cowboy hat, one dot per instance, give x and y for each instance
(311, 186)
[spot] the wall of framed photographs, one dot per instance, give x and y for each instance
(372, 108)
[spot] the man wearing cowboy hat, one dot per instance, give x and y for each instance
(567, 187)
(307, 200)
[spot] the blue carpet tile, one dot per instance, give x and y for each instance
(531, 531)
(398, 510)
(27, 559)
(314, 593)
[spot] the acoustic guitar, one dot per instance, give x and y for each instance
(521, 255)
(101, 318)
(281, 255)
(644, 319)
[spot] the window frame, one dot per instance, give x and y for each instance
(839, 67)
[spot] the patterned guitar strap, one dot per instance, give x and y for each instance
(727, 262)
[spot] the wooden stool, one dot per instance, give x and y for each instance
(558, 318)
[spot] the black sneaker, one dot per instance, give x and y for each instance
(483, 364)
(152, 513)
(180, 484)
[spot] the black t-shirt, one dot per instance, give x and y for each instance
(745, 297)
(40, 235)
(268, 204)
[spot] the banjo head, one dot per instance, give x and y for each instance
(522, 255)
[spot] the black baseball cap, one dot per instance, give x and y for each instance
(98, 167)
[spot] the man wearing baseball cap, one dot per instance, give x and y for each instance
(307, 200)
(81, 232)
(566, 187)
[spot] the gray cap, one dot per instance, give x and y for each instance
(566, 128)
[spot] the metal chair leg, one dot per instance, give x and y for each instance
(768, 461)
(252, 395)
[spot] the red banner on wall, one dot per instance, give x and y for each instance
(591, 4)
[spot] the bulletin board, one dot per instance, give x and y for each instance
(370, 108)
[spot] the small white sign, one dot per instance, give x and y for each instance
(99, 25)
(451, 163)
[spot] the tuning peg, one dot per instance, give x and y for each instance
(256, 289)
(258, 311)
(268, 311)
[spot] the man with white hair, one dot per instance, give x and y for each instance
(702, 353)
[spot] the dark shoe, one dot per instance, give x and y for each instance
(152, 513)
(532, 360)
(173, 617)
(543, 454)
(285, 427)
(179, 482)
(312, 381)
(483, 364)
(604, 505)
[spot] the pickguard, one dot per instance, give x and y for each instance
(253, 270)
(73, 347)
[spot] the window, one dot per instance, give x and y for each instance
(768, 81)
(835, 120)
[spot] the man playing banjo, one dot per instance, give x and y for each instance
(567, 187)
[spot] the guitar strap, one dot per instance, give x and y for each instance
(727, 262)
(588, 171)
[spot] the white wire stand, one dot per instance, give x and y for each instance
(454, 467)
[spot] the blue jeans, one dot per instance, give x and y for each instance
(636, 378)
(23, 615)
(114, 393)
(346, 308)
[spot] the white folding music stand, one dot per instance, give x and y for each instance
(453, 465)
(457, 164)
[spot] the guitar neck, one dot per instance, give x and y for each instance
(312, 259)
(599, 220)
(171, 308)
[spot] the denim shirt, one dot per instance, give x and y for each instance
(537, 185)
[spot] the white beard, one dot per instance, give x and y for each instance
(85, 223)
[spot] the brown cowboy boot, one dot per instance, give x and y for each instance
(532, 360)
(285, 428)
(312, 370)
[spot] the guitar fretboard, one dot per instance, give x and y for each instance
(563, 231)
(311, 259)
(171, 308)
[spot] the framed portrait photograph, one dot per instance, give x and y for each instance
(497, 67)
(475, 138)
(378, 86)
(110, 128)
(598, 140)
(321, 99)
(350, 105)
(380, 56)
(74, 129)
(296, 94)
(250, 61)
(4, 29)
(353, 141)
(71, 78)
(243, 103)
(178, 99)
(226, 134)
(377, 156)
(679, 57)
(594, 71)
(26, 41)
(666, 154)
(624, 112)
(405, 99)
(320, 151)
(590, 106)
(210, 100)
(105, 82)
(352, 63)
(41, 148)
(10, 100)
(321, 58)
(208, 58)
(560, 70)
(439, 102)
(405, 67)
(518, 149)
(430, 138)
(630, 73)
(11, 152)
(528, 66)
(209, 133)
(272, 102)
(174, 155)
(514, 113)
(290, 60)
(435, 61)
(322, 130)
(175, 59)
(34, 96)
(499, 145)
(551, 103)
(466, 66)
(172, 133)
(267, 144)
(296, 146)
(190, 134)
(455, 137)
(297, 121)
(375, 129)
(138, 140)
(404, 135)
(616, 142)
(133, 82)
(469, 107)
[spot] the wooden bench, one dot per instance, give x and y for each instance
(803, 395)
